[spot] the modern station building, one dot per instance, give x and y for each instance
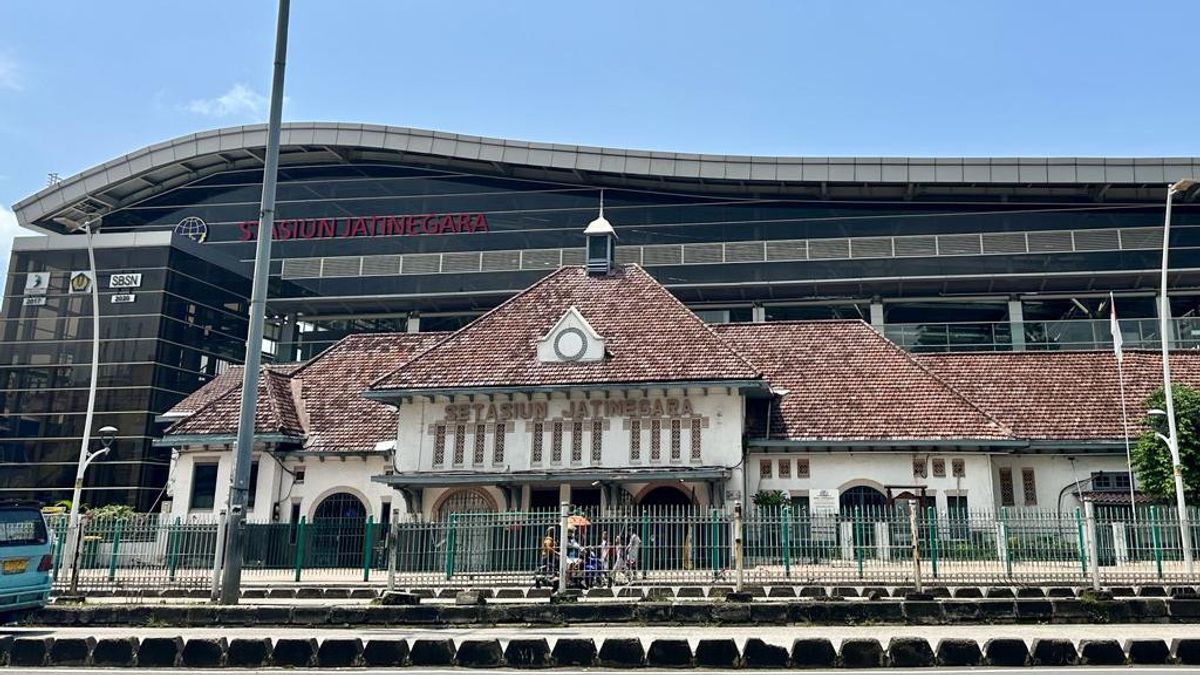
(395, 230)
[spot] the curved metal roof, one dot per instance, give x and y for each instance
(160, 167)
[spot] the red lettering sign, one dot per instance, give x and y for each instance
(368, 226)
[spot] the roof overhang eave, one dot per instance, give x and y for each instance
(607, 476)
(392, 395)
(175, 440)
(888, 444)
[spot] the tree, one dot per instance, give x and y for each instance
(1152, 458)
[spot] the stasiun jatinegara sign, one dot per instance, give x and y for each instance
(369, 226)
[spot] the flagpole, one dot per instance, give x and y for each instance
(1115, 328)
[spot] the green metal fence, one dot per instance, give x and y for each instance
(656, 546)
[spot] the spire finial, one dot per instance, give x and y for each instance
(601, 202)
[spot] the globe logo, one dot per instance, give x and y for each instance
(193, 228)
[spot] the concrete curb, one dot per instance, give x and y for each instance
(819, 611)
(623, 652)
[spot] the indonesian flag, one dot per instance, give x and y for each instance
(1114, 327)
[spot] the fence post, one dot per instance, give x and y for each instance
(116, 546)
(77, 538)
(915, 536)
(173, 554)
(858, 552)
(301, 530)
(786, 514)
(60, 536)
(451, 545)
(1156, 540)
(715, 542)
(1007, 550)
(393, 543)
(737, 546)
(931, 516)
(564, 511)
(647, 549)
(218, 557)
(1083, 556)
(368, 547)
(1089, 510)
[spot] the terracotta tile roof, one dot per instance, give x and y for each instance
(650, 337)
(1061, 395)
(276, 411)
(332, 385)
(218, 387)
(318, 401)
(847, 382)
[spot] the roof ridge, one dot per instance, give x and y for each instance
(706, 326)
(1004, 428)
(270, 382)
(346, 338)
(482, 317)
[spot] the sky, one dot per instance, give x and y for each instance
(82, 82)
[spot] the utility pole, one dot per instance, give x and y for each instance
(232, 579)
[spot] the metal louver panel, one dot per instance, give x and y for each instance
(1004, 242)
(541, 259)
(573, 256)
(421, 263)
(629, 254)
(1097, 240)
(342, 266)
(1141, 237)
(744, 251)
(500, 261)
(460, 262)
(700, 254)
(662, 255)
(1050, 242)
(908, 247)
(380, 265)
(958, 244)
(787, 249)
(301, 268)
(828, 248)
(871, 247)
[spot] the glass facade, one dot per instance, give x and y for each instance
(371, 246)
(182, 324)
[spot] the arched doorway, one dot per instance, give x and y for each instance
(668, 537)
(863, 497)
(470, 534)
(339, 525)
(665, 496)
(863, 505)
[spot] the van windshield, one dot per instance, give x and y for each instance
(21, 527)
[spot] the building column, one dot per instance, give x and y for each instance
(758, 313)
(1016, 324)
(877, 314)
(1158, 304)
(286, 349)
(413, 324)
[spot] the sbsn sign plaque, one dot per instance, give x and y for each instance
(125, 281)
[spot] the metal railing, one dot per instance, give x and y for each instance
(1069, 334)
(660, 546)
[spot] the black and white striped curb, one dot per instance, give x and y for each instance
(900, 652)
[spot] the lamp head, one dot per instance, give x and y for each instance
(1157, 411)
(107, 435)
(1182, 185)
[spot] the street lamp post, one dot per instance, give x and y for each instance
(81, 465)
(1172, 437)
(107, 436)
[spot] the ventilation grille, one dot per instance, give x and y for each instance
(782, 250)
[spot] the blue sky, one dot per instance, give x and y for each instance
(82, 82)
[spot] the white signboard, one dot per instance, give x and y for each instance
(823, 501)
(80, 281)
(35, 301)
(121, 298)
(125, 281)
(36, 283)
